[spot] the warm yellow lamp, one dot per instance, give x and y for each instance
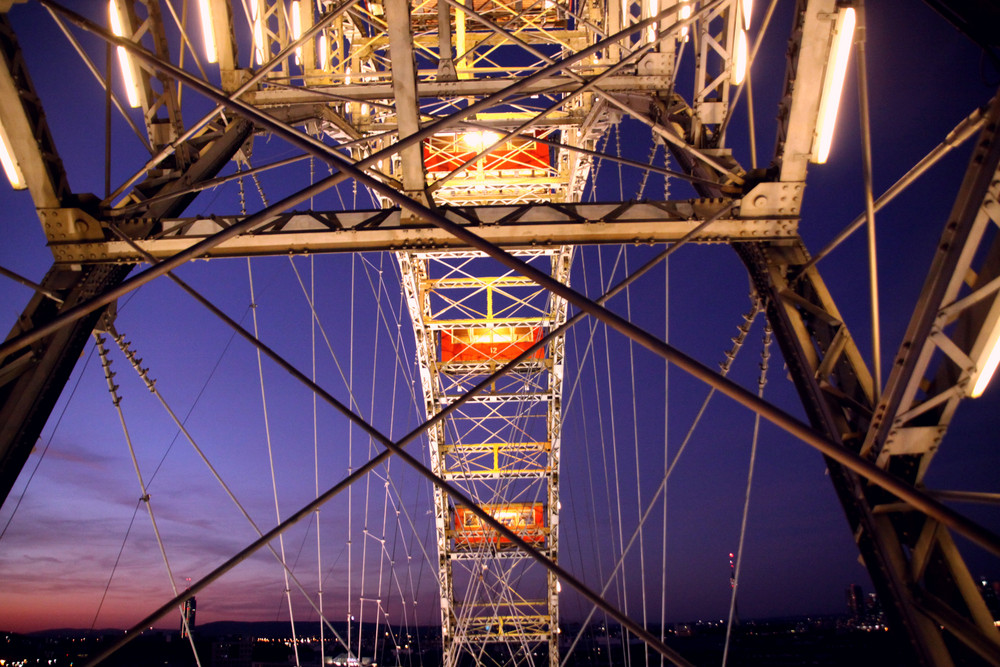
(208, 31)
(258, 31)
(985, 353)
(833, 83)
(297, 29)
(740, 57)
(477, 141)
(10, 165)
(124, 60)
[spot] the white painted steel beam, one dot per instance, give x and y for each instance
(367, 92)
(537, 225)
(404, 84)
(25, 129)
(807, 59)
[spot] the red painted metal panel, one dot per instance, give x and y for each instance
(526, 520)
(443, 154)
(481, 344)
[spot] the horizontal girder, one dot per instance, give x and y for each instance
(508, 226)
(285, 97)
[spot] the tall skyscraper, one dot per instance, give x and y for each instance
(855, 602)
(187, 623)
(990, 590)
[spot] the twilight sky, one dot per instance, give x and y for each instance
(77, 549)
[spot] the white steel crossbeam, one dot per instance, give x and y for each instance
(509, 226)
(25, 130)
(404, 81)
(808, 53)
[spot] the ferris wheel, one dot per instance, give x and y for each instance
(468, 169)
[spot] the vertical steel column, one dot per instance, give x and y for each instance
(472, 559)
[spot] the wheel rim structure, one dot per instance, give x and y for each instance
(475, 129)
(515, 474)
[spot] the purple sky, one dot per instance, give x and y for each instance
(67, 518)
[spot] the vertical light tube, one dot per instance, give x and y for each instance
(10, 166)
(323, 52)
(986, 374)
(740, 57)
(833, 83)
(651, 31)
(684, 14)
(297, 28)
(124, 60)
(258, 32)
(986, 352)
(208, 31)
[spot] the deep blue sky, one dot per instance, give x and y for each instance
(74, 504)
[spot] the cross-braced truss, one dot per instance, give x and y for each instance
(501, 448)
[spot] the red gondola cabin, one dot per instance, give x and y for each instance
(526, 520)
(484, 344)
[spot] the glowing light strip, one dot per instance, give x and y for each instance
(833, 84)
(258, 32)
(323, 53)
(128, 74)
(654, 9)
(297, 29)
(208, 31)
(684, 14)
(740, 57)
(10, 166)
(477, 141)
(988, 358)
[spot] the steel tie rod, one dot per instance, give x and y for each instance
(397, 448)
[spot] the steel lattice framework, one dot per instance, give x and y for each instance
(476, 126)
(502, 448)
